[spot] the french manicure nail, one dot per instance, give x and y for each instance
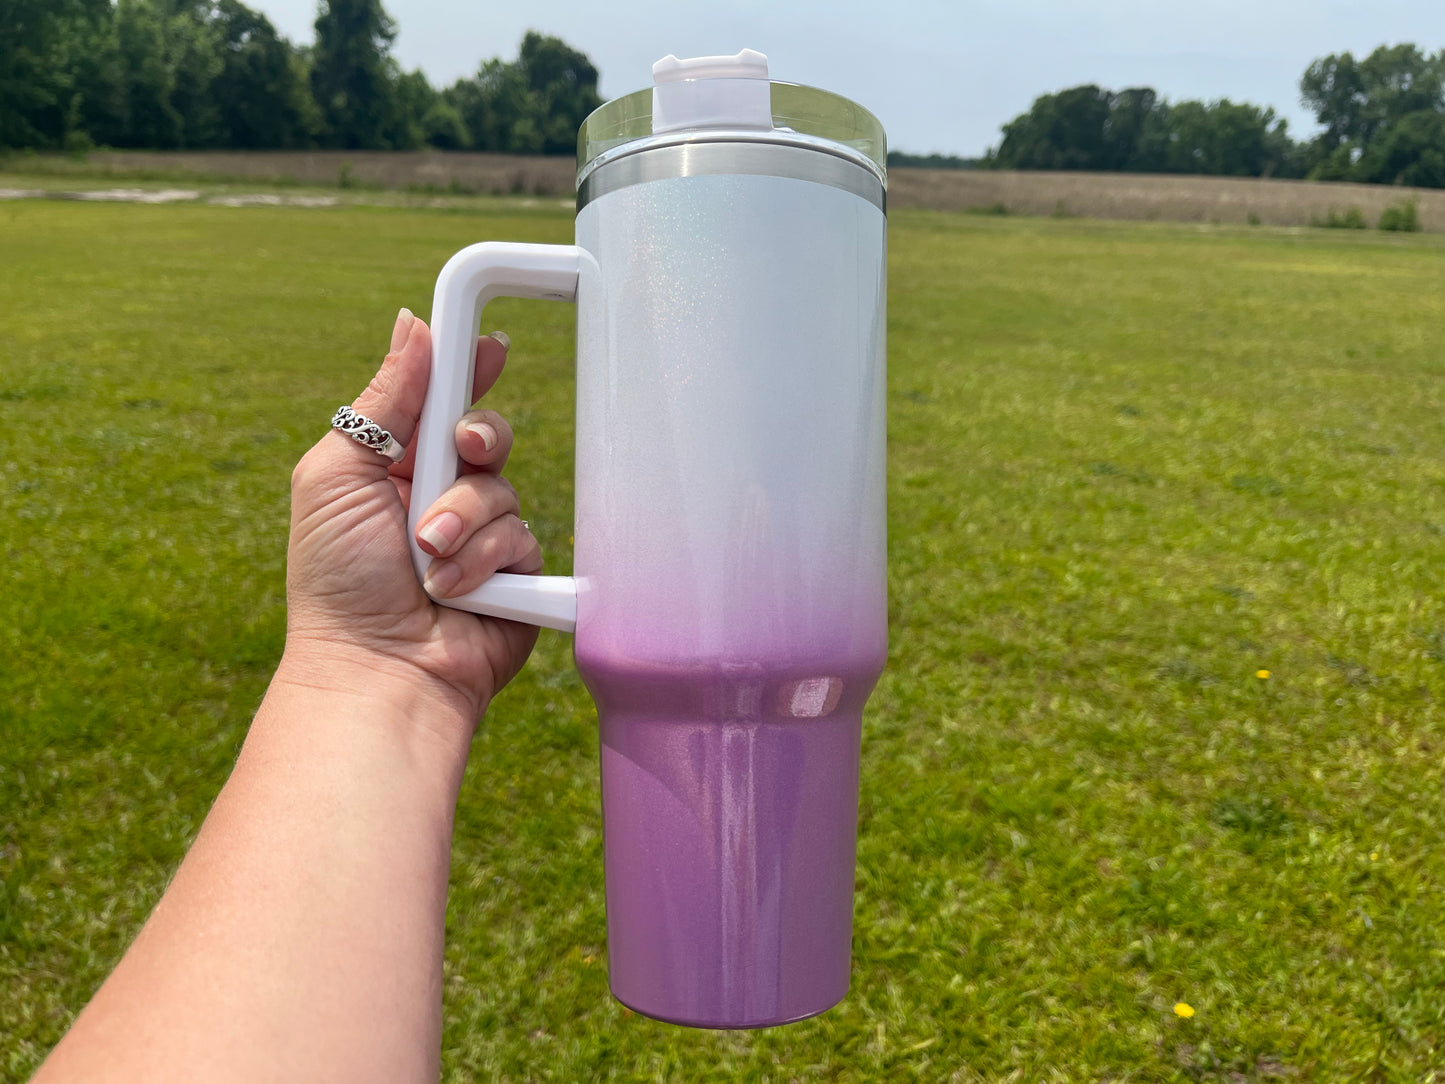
(485, 431)
(442, 578)
(503, 338)
(401, 330)
(441, 533)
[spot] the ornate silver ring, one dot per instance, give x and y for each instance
(363, 430)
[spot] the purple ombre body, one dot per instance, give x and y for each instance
(730, 558)
(728, 842)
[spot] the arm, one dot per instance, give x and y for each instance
(302, 936)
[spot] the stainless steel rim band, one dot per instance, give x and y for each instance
(714, 159)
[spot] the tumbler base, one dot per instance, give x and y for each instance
(713, 1025)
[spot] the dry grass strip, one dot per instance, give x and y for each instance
(1224, 200)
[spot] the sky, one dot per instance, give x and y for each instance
(943, 76)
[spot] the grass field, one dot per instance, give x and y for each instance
(1164, 720)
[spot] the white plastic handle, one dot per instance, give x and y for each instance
(470, 279)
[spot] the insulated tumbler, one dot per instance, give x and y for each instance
(729, 594)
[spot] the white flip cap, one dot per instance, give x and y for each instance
(712, 92)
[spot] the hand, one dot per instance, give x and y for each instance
(353, 600)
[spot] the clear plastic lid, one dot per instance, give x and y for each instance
(797, 110)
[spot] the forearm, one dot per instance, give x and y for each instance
(302, 936)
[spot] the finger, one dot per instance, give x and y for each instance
(491, 357)
(394, 397)
(503, 545)
(466, 507)
(484, 440)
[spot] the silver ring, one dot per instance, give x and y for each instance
(526, 526)
(363, 430)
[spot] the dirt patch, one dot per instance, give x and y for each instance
(130, 195)
(170, 195)
(270, 199)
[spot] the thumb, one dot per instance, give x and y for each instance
(393, 399)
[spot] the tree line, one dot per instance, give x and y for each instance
(204, 74)
(1383, 121)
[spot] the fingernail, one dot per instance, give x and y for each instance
(441, 533)
(485, 431)
(503, 338)
(442, 578)
(401, 329)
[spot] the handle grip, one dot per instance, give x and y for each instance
(470, 279)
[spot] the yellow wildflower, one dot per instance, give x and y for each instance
(1184, 1009)
(1263, 675)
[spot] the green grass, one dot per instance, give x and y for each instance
(1130, 467)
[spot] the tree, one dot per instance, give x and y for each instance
(1133, 138)
(563, 87)
(1230, 139)
(351, 77)
(414, 98)
(1332, 89)
(489, 104)
(261, 89)
(1357, 100)
(99, 107)
(1376, 114)
(442, 126)
(1397, 81)
(533, 105)
(36, 95)
(193, 44)
(1410, 151)
(1061, 131)
(215, 73)
(1135, 131)
(149, 75)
